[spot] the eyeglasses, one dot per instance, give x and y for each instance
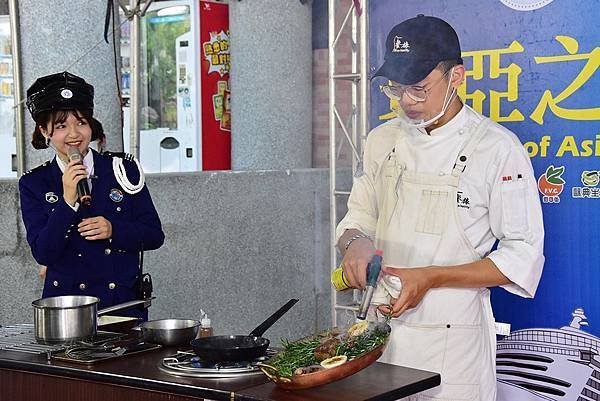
(414, 92)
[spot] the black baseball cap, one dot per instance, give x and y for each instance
(416, 46)
(61, 91)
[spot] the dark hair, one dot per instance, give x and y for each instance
(60, 116)
(445, 65)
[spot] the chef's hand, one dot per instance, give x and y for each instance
(95, 228)
(357, 257)
(74, 172)
(415, 284)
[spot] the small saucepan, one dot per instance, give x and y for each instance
(70, 318)
(170, 332)
(238, 348)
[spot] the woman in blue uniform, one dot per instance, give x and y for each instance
(89, 248)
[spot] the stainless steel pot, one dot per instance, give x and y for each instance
(70, 318)
(170, 331)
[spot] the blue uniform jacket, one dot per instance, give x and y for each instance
(107, 269)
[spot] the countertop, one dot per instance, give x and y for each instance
(377, 382)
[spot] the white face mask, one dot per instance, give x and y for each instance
(447, 100)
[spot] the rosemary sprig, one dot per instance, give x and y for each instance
(300, 354)
(356, 346)
(295, 355)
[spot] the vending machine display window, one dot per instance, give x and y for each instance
(185, 94)
(169, 87)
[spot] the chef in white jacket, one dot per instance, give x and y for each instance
(441, 185)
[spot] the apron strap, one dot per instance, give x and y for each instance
(467, 151)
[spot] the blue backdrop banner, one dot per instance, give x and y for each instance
(532, 66)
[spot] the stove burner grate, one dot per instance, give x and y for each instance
(186, 363)
(21, 338)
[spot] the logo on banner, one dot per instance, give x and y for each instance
(525, 5)
(551, 184)
(216, 52)
(400, 46)
(590, 181)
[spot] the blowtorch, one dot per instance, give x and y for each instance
(373, 270)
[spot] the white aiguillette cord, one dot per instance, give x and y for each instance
(121, 175)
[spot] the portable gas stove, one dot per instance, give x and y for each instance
(104, 345)
(186, 363)
(21, 338)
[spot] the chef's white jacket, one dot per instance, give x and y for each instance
(497, 193)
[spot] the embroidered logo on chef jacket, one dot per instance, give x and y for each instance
(400, 46)
(116, 195)
(51, 197)
(462, 200)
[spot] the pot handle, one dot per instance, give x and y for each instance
(147, 302)
(273, 318)
(270, 371)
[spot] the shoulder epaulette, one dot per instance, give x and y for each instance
(47, 162)
(122, 155)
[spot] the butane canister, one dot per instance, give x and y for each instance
(338, 279)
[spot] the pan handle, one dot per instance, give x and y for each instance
(273, 318)
(126, 305)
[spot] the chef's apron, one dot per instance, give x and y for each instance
(452, 330)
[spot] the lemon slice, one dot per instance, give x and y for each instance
(334, 361)
(358, 328)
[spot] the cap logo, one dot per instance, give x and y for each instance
(400, 46)
(66, 94)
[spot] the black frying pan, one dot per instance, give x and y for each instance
(216, 349)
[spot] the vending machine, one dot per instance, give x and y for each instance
(176, 111)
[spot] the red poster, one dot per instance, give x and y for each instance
(214, 86)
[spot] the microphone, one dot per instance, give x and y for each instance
(83, 189)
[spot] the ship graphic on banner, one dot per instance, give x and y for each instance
(549, 364)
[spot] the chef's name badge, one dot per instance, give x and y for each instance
(51, 197)
(116, 195)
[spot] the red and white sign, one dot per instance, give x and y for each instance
(214, 84)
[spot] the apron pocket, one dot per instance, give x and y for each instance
(462, 364)
(432, 218)
(514, 208)
(416, 346)
(455, 353)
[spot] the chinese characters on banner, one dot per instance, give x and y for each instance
(547, 103)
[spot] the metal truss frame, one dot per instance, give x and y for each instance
(355, 129)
